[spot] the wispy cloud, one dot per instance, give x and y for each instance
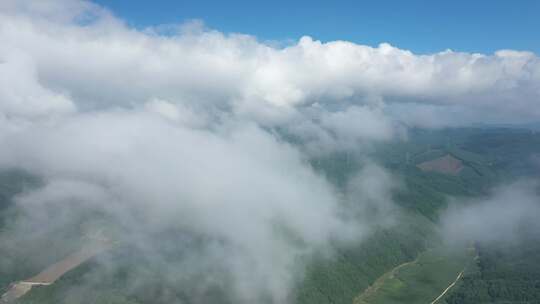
(177, 130)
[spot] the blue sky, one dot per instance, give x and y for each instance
(422, 26)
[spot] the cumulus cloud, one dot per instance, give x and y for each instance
(23, 96)
(103, 63)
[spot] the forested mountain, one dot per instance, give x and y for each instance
(406, 260)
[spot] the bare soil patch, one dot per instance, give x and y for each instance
(55, 271)
(52, 273)
(446, 164)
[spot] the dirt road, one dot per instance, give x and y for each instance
(52, 273)
(448, 288)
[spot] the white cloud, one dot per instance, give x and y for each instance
(236, 186)
(172, 130)
(358, 123)
(106, 64)
(22, 95)
(508, 213)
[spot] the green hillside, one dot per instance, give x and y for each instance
(498, 274)
(505, 273)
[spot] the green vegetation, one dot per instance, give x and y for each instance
(420, 281)
(13, 263)
(353, 269)
(124, 275)
(12, 182)
(425, 194)
(513, 152)
(505, 273)
(499, 274)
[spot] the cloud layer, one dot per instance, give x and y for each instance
(73, 54)
(187, 128)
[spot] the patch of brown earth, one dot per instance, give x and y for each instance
(55, 271)
(446, 164)
(52, 273)
(14, 292)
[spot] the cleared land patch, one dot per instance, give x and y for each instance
(55, 271)
(52, 273)
(447, 164)
(427, 278)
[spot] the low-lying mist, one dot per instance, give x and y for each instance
(195, 151)
(253, 198)
(507, 215)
